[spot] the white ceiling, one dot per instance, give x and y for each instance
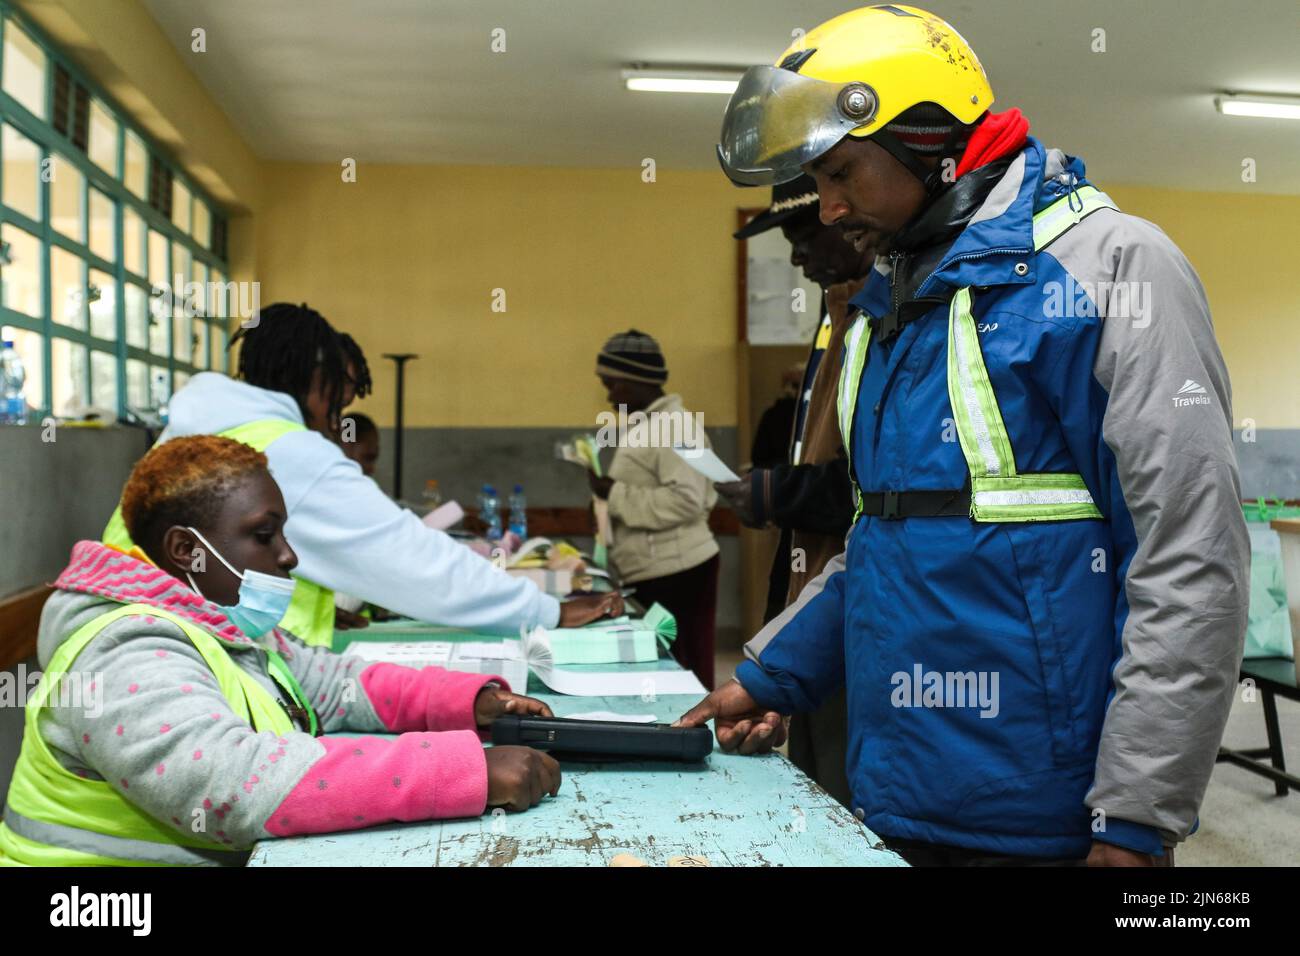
(414, 81)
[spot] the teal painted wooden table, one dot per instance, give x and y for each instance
(736, 811)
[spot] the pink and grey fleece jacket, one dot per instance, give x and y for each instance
(162, 734)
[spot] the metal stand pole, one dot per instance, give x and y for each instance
(400, 360)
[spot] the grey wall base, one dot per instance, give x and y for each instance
(1270, 464)
(53, 494)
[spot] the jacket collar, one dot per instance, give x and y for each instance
(668, 402)
(123, 578)
(1000, 234)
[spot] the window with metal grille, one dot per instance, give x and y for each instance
(97, 225)
(219, 237)
(70, 109)
(160, 186)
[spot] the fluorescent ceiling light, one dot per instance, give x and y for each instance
(669, 84)
(1270, 107)
(647, 79)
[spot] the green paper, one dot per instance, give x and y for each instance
(611, 642)
(660, 620)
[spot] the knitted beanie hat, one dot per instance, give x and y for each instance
(924, 128)
(634, 356)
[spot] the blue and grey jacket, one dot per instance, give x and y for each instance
(1025, 688)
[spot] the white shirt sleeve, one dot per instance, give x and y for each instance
(349, 536)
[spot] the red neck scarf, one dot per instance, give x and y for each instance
(1000, 134)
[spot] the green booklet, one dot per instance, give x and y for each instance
(623, 641)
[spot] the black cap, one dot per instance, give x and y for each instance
(791, 199)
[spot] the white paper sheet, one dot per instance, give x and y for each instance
(507, 659)
(444, 516)
(409, 653)
(644, 684)
(504, 659)
(707, 464)
(489, 650)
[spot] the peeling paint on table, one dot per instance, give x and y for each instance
(737, 811)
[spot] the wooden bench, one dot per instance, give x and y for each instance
(20, 616)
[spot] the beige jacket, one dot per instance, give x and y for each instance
(659, 505)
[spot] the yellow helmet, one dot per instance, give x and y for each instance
(848, 77)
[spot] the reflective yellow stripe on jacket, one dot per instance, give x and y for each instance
(998, 491)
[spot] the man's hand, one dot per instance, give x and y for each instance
(1108, 854)
(740, 495)
(599, 486)
(518, 777)
(494, 702)
(592, 607)
(347, 621)
(741, 725)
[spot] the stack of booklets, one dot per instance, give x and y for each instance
(553, 653)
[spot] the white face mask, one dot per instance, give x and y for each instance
(264, 599)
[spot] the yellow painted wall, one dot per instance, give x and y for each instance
(407, 258)
(1244, 249)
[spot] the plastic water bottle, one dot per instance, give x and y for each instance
(13, 407)
(519, 513)
(489, 512)
(432, 495)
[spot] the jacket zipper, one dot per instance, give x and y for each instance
(895, 258)
(967, 257)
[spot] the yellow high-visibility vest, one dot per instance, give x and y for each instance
(53, 817)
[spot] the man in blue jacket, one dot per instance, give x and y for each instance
(1041, 606)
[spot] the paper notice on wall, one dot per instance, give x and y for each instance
(707, 464)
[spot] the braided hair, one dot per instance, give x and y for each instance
(283, 349)
(352, 355)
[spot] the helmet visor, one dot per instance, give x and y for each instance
(778, 120)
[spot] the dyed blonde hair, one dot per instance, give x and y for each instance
(183, 482)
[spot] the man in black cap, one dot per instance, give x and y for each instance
(810, 499)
